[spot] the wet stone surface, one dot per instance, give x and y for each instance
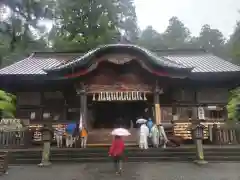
(138, 171)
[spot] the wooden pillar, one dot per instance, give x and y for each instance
(225, 115)
(195, 107)
(42, 105)
(157, 108)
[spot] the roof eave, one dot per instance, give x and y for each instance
(88, 56)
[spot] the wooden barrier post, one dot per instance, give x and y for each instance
(4, 162)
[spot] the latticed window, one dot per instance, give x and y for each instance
(184, 113)
(166, 113)
(215, 113)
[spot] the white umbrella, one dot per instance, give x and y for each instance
(120, 132)
(141, 121)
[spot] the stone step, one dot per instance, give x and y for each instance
(132, 154)
(101, 136)
(129, 159)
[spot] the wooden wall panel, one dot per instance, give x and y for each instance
(28, 98)
(212, 95)
(184, 95)
(26, 113)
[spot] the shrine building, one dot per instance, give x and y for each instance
(118, 83)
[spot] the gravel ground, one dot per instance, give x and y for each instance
(138, 171)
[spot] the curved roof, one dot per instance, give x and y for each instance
(202, 61)
(152, 57)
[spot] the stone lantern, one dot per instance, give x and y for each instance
(197, 130)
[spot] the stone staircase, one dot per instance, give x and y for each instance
(133, 154)
(104, 137)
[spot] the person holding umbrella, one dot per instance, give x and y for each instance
(143, 133)
(143, 139)
(116, 150)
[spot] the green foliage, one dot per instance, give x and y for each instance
(7, 104)
(151, 39)
(234, 44)
(234, 100)
(20, 29)
(83, 25)
(176, 34)
(212, 40)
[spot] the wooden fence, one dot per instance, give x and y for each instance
(14, 139)
(224, 136)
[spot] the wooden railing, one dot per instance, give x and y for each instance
(224, 136)
(3, 162)
(216, 132)
(15, 139)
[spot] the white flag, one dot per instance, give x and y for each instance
(81, 122)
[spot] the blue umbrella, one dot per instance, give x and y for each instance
(70, 128)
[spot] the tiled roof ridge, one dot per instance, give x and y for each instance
(190, 50)
(180, 64)
(18, 62)
(152, 55)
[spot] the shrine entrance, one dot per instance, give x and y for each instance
(116, 83)
(117, 114)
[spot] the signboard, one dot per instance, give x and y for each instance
(201, 113)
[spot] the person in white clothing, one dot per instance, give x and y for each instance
(155, 135)
(143, 136)
(69, 140)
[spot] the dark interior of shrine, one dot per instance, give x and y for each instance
(118, 114)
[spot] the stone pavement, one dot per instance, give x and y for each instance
(138, 171)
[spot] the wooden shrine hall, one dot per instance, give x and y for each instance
(118, 83)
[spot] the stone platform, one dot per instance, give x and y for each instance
(133, 154)
(132, 171)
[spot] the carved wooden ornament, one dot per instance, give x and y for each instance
(120, 96)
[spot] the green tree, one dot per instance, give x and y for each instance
(7, 104)
(211, 40)
(83, 25)
(234, 45)
(20, 28)
(176, 34)
(233, 114)
(151, 39)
